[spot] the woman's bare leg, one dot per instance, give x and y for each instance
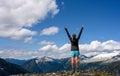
(77, 62)
(73, 62)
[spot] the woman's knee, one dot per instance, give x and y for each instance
(72, 59)
(77, 59)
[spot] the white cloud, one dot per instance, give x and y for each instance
(94, 48)
(56, 52)
(18, 54)
(17, 15)
(15, 32)
(50, 31)
(109, 45)
(49, 48)
(46, 43)
(28, 40)
(65, 47)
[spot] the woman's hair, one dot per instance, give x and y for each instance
(73, 35)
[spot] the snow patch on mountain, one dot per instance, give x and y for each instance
(102, 57)
(43, 59)
(113, 59)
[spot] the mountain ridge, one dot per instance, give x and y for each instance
(47, 64)
(7, 68)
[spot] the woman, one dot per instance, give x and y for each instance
(74, 49)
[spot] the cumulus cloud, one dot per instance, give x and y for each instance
(109, 45)
(65, 47)
(49, 48)
(15, 32)
(55, 51)
(17, 15)
(46, 43)
(28, 40)
(50, 31)
(18, 54)
(94, 48)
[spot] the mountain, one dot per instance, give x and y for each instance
(83, 57)
(43, 65)
(102, 61)
(113, 59)
(97, 62)
(101, 57)
(113, 67)
(15, 61)
(7, 68)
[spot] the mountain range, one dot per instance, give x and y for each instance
(102, 62)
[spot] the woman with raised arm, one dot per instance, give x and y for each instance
(74, 49)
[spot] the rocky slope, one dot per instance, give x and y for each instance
(7, 68)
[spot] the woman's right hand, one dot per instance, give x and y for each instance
(65, 27)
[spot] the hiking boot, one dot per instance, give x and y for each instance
(77, 70)
(72, 72)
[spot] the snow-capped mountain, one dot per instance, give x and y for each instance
(44, 59)
(84, 57)
(114, 59)
(48, 64)
(106, 57)
(43, 65)
(103, 57)
(101, 61)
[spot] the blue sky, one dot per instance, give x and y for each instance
(22, 27)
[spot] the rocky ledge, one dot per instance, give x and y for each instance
(68, 73)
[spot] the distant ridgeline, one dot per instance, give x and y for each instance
(47, 64)
(7, 68)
